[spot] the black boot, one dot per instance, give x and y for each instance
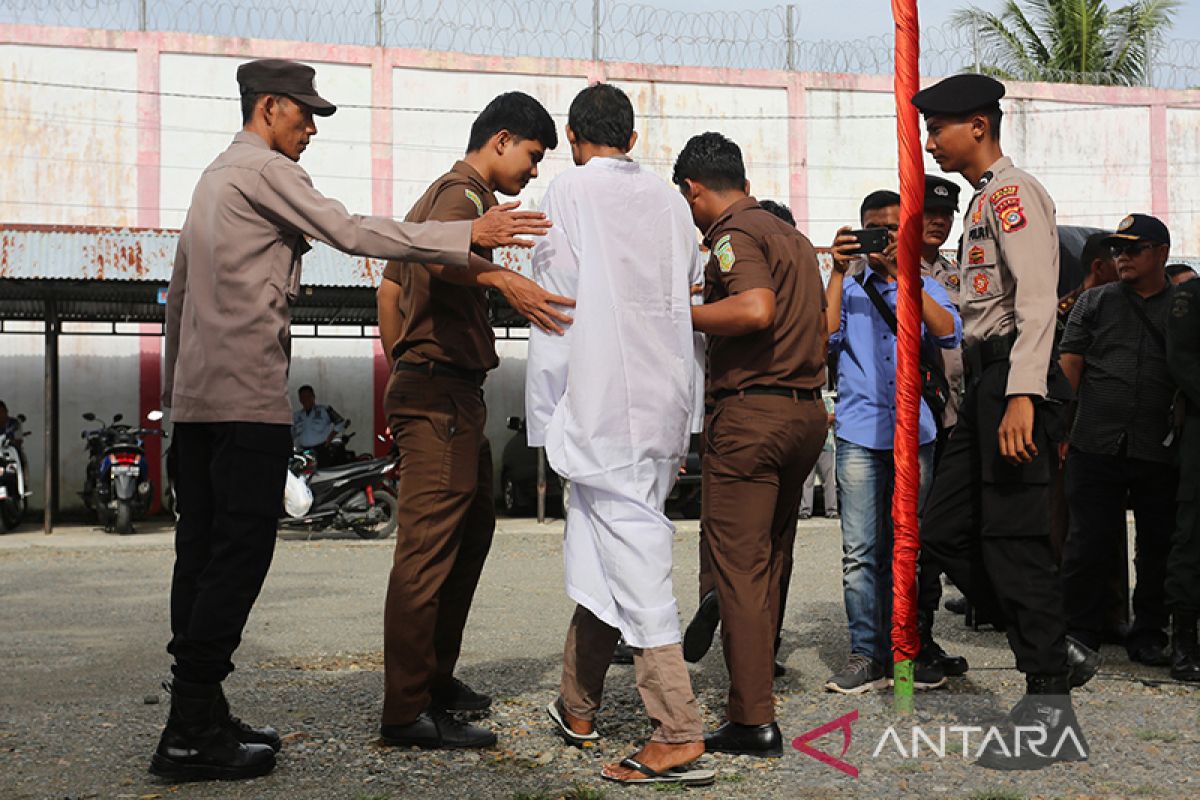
(199, 745)
(1185, 652)
(1082, 662)
(932, 655)
(1040, 730)
(243, 732)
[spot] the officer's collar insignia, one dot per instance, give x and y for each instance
(984, 178)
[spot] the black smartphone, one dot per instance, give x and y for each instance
(871, 240)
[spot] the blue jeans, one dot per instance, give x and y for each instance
(865, 479)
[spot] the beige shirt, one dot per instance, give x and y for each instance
(945, 273)
(1009, 272)
(237, 270)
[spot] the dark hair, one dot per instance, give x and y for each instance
(1095, 246)
(602, 114)
(779, 210)
(1173, 270)
(712, 160)
(517, 113)
(4, 405)
(880, 198)
(994, 116)
(250, 100)
(305, 388)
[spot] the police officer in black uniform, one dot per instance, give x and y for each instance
(987, 520)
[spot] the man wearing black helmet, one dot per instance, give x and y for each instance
(988, 516)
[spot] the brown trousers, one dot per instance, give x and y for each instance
(662, 680)
(445, 521)
(758, 450)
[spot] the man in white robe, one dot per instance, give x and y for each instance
(612, 401)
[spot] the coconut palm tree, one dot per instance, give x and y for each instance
(1068, 41)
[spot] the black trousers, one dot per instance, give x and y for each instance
(230, 492)
(1183, 566)
(1098, 489)
(987, 524)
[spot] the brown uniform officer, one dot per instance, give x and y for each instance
(766, 366)
(434, 326)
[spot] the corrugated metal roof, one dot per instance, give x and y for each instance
(39, 252)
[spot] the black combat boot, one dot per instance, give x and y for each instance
(1040, 730)
(1185, 652)
(932, 654)
(243, 732)
(198, 744)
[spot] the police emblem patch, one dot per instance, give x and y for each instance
(952, 281)
(723, 250)
(475, 200)
(975, 256)
(1126, 223)
(1013, 220)
(980, 284)
(1004, 191)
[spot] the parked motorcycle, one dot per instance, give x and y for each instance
(117, 484)
(14, 492)
(353, 496)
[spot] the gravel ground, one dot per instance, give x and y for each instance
(84, 621)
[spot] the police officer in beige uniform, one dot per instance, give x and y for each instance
(228, 349)
(988, 515)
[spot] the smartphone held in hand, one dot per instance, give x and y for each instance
(871, 240)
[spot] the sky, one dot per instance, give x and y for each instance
(821, 19)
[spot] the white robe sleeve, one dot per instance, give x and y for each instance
(696, 278)
(555, 268)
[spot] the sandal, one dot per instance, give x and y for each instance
(680, 775)
(564, 730)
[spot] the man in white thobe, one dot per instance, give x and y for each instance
(612, 401)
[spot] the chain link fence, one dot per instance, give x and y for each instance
(770, 38)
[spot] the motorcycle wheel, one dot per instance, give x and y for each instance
(123, 519)
(387, 526)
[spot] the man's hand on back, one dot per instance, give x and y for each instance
(532, 301)
(501, 226)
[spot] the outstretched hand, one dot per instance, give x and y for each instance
(534, 303)
(501, 226)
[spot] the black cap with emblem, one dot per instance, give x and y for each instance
(959, 94)
(1137, 227)
(280, 76)
(940, 194)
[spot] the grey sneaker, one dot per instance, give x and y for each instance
(860, 675)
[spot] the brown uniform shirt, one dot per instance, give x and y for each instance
(237, 271)
(753, 249)
(444, 322)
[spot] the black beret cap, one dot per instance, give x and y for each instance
(280, 76)
(959, 94)
(940, 193)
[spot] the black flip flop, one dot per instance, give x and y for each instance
(681, 775)
(564, 730)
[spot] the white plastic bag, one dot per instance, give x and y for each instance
(297, 496)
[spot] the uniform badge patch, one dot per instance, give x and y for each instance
(1012, 220)
(975, 256)
(1181, 305)
(1125, 223)
(723, 250)
(1004, 191)
(977, 214)
(980, 284)
(475, 199)
(953, 281)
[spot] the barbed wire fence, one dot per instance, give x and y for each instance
(600, 30)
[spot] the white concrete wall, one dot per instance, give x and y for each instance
(1183, 147)
(196, 130)
(67, 155)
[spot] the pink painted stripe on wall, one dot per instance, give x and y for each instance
(1160, 195)
(797, 148)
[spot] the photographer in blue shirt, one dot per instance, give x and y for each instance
(865, 344)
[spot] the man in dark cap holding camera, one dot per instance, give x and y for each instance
(237, 269)
(988, 515)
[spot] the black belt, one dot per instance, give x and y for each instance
(778, 391)
(991, 350)
(435, 370)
